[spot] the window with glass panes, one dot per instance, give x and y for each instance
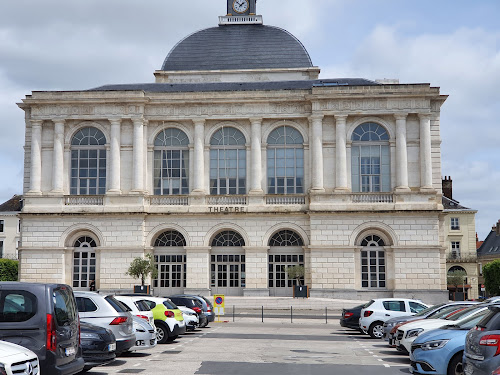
(171, 163)
(1, 249)
(84, 262)
(455, 223)
(171, 267)
(88, 162)
(285, 161)
(228, 162)
(370, 159)
(373, 267)
(455, 249)
(1, 225)
(228, 270)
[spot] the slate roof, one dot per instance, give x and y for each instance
(451, 204)
(236, 86)
(14, 204)
(232, 47)
(491, 245)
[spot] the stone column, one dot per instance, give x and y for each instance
(317, 152)
(256, 156)
(425, 152)
(58, 158)
(36, 158)
(138, 156)
(341, 153)
(401, 153)
(115, 163)
(256, 271)
(199, 159)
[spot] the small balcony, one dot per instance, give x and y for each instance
(84, 200)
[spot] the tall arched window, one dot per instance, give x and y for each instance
(171, 163)
(228, 162)
(285, 161)
(370, 163)
(170, 260)
(84, 262)
(88, 162)
(373, 267)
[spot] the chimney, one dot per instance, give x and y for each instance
(497, 228)
(448, 187)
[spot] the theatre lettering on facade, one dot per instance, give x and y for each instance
(237, 163)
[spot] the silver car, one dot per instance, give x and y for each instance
(107, 312)
(145, 335)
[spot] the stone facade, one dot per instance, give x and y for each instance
(10, 227)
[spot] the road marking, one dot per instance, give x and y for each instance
(386, 365)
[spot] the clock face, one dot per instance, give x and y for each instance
(240, 6)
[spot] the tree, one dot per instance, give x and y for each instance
(296, 272)
(140, 268)
(456, 278)
(9, 270)
(491, 273)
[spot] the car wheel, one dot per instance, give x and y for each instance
(456, 367)
(161, 333)
(376, 330)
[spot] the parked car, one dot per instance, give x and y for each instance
(98, 345)
(206, 306)
(194, 303)
(482, 344)
(440, 351)
(427, 313)
(137, 308)
(407, 333)
(350, 317)
(145, 334)
(496, 372)
(107, 312)
(44, 319)
(16, 359)
(376, 312)
(190, 317)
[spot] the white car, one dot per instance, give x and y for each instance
(190, 317)
(376, 312)
(407, 333)
(145, 334)
(137, 308)
(15, 359)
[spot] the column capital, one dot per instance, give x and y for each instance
(36, 123)
(424, 116)
(139, 121)
(115, 121)
(316, 116)
(199, 121)
(256, 120)
(341, 116)
(59, 121)
(400, 116)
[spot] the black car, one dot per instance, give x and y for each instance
(44, 319)
(98, 345)
(350, 317)
(207, 306)
(194, 304)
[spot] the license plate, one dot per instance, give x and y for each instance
(70, 351)
(468, 370)
(139, 343)
(112, 347)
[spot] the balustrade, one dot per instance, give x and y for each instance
(84, 200)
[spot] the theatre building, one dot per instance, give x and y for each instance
(237, 163)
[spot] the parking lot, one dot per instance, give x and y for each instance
(271, 348)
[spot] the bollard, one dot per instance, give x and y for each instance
(262, 314)
(291, 314)
(233, 313)
(326, 314)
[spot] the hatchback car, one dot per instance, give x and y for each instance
(44, 319)
(145, 335)
(206, 306)
(98, 345)
(193, 303)
(376, 312)
(482, 345)
(440, 351)
(16, 359)
(137, 308)
(109, 313)
(350, 317)
(190, 317)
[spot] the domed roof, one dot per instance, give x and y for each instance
(237, 47)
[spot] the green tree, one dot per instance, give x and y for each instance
(297, 273)
(456, 278)
(9, 270)
(140, 268)
(491, 273)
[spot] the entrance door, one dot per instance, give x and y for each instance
(279, 283)
(171, 274)
(227, 274)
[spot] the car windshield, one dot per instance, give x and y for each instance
(445, 311)
(142, 306)
(429, 309)
(117, 305)
(464, 313)
(471, 321)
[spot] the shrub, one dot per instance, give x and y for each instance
(491, 273)
(9, 269)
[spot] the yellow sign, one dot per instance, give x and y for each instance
(219, 304)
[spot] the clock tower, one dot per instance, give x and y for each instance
(241, 7)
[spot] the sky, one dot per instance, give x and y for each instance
(452, 44)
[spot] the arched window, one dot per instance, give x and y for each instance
(88, 162)
(170, 238)
(228, 238)
(286, 238)
(171, 163)
(285, 161)
(370, 162)
(84, 262)
(228, 162)
(373, 267)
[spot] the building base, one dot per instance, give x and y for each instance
(427, 296)
(256, 292)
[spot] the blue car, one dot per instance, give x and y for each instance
(440, 351)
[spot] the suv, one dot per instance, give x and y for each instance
(376, 312)
(482, 344)
(44, 319)
(16, 359)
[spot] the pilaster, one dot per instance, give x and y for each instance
(401, 153)
(341, 154)
(199, 157)
(36, 158)
(317, 152)
(58, 158)
(138, 156)
(425, 152)
(256, 156)
(115, 163)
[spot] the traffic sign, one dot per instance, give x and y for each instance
(219, 304)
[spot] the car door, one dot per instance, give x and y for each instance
(395, 308)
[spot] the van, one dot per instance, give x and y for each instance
(44, 319)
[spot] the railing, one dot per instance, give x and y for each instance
(84, 200)
(285, 199)
(169, 201)
(241, 20)
(227, 200)
(372, 198)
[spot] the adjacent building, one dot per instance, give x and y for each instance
(10, 227)
(237, 163)
(488, 251)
